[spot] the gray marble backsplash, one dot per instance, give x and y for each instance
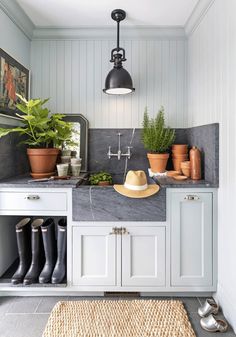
(13, 158)
(205, 137)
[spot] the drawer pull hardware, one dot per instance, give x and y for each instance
(32, 197)
(191, 197)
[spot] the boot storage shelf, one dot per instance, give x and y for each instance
(175, 256)
(16, 204)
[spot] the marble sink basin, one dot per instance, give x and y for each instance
(97, 203)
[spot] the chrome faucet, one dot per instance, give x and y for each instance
(119, 153)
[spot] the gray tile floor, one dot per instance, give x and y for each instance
(27, 316)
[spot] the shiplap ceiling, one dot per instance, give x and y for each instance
(75, 13)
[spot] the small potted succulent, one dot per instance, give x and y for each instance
(157, 139)
(101, 179)
(44, 133)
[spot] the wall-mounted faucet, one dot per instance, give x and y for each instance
(119, 154)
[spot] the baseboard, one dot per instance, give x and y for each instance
(178, 294)
(228, 305)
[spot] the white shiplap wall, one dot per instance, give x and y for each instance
(72, 73)
(13, 41)
(212, 98)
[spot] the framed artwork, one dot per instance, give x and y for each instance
(14, 79)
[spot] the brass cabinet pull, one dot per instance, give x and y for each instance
(32, 197)
(124, 231)
(118, 231)
(114, 231)
(191, 197)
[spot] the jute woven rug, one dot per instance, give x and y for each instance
(119, 318)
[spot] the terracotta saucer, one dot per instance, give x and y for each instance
(42, 175)
(180, 177)
(172, 173)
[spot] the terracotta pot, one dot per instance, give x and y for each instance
(103, 183)
(158, 161)
(177, 163)
(181, 156)
(42, 160)
(186, 164)
(175, 152)
(186, 171)
(180, 148)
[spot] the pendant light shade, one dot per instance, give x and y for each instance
(118, 81)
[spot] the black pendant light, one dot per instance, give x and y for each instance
(118, 81)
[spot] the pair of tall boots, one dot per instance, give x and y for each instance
(38, 261)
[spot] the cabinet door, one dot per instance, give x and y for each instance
(94, 256)
(191, 239)
(143, 257)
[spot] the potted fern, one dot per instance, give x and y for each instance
(43, 132)
(157, 139)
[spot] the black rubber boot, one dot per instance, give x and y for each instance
(38, 259)
(24, 250)
(49, 243)
(60, 268)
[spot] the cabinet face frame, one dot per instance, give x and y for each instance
(191, 284)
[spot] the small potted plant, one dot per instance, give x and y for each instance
(42, 132)
(157, 139)
(101, 179)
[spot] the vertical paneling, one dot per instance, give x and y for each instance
(72, 73)
(68, 76)
(82, 108)
(75, 75)
(212, 98)
(60, 84)
(53, 76)
(97, 84)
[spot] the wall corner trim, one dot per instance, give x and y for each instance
(197, 15)
(108, 32)
(18, 17)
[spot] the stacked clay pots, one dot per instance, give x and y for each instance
(185, 168)
(179, 155)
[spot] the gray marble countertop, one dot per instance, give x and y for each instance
(168, 182)
(23, 181)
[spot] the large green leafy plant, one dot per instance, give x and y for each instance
(39, 127)
(156, 137)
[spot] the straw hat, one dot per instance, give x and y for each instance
(136, 186)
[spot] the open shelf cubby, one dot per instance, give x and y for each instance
(9, 259)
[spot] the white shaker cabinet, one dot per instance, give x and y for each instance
(143, 256)
(125, 256)
(191, 220)
(93, 256)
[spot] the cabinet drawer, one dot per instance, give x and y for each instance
(33, 201)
